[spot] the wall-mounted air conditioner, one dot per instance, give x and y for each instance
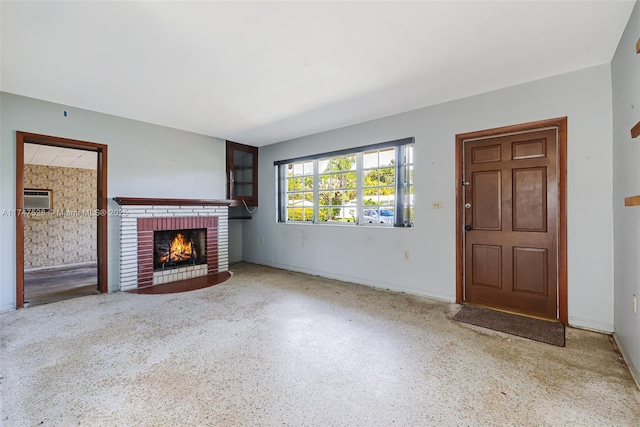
(38, 199)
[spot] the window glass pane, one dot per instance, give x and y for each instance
(387, 176)
(350, 180)
(308, 183)
(324, 214)
(324, 198)
(350, 197)
(350, 163)
(370, 197)
(292, 197)
(371, 178)
(295, 184)
(350, 213)
(370, 160)
(387, 197)
(323, 181)
(387, 157)
(335, 180)
(336, 198)
(335, 164)
(308, 168)
(308, 199)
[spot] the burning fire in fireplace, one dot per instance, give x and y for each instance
(177, 247)
(180, 250)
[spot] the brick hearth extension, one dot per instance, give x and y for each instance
(140, 217)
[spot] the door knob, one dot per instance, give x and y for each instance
(467, 205)
(467, 228)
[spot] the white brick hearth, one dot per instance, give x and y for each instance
(182, 273)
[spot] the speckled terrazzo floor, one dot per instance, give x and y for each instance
(270, 347)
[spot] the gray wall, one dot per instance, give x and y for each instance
(625, 70)
(373, 256)
(145, 160)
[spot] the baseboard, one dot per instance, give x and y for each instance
(591, 325)
(635, 373)
(357, 280)
(7, 307)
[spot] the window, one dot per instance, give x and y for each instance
(370, 185)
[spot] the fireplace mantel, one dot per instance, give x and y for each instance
(144, 201)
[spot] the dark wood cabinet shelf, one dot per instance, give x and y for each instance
(242, 174)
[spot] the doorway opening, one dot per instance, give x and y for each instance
(61, 226)
(511, 245)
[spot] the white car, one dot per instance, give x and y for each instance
(378, 216)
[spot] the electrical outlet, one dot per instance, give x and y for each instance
(635, 305)
(261, 240)
(405, 254)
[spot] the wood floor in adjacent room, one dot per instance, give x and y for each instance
(59, 284)
(271, 348)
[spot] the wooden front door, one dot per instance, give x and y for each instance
(510, 219)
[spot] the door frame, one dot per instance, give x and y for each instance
(102, 218)
(561, 165)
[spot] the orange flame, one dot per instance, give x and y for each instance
(181, 250)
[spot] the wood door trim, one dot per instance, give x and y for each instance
(559, 123)
(102, 204)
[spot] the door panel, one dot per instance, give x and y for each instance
(511, 243)
(486, 154)
(530, 270)
(530, 199)
(487, 264)
(529, 149)
(486, 210)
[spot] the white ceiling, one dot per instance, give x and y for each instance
(263, 72)
(36, 154)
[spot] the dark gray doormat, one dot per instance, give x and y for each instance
(527, 327)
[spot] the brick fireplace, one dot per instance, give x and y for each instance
(146, 228)
(140, 218)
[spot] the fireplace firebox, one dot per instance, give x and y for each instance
(179, 248)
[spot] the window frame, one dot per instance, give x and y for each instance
(403, 188)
